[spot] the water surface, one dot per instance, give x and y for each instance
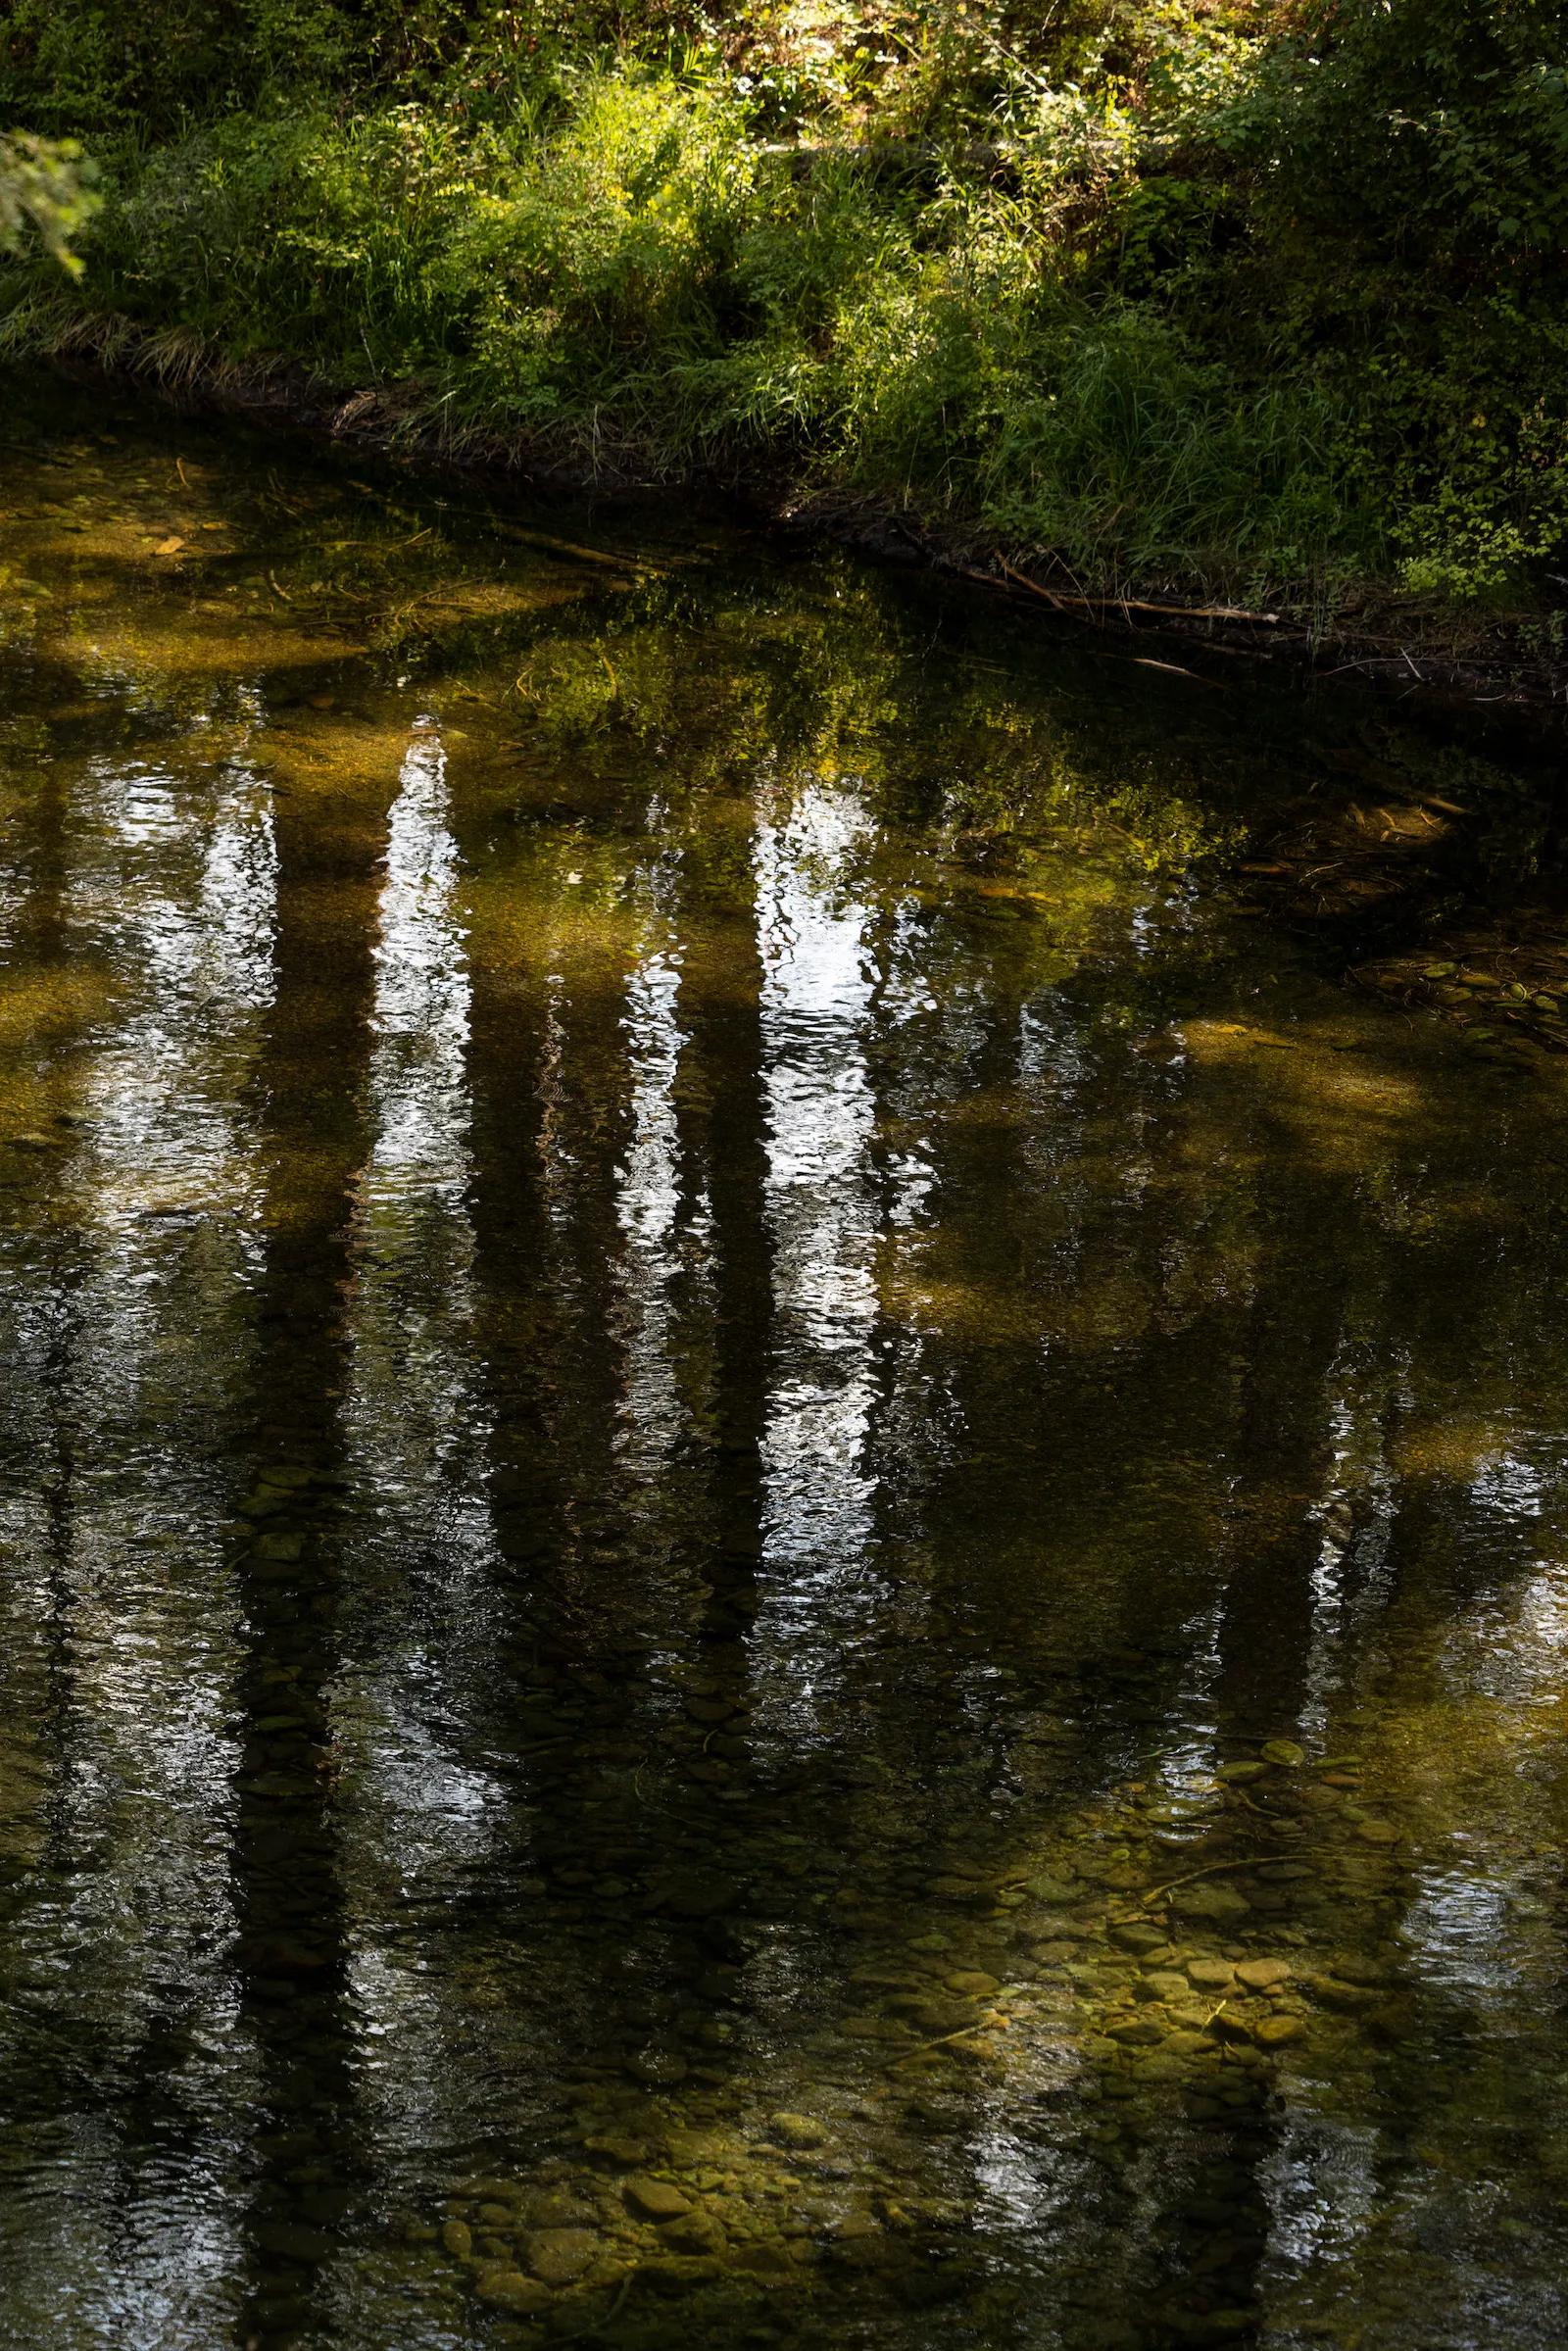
(782, 1534)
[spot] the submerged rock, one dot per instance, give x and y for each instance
(658, 2069)
(802, 2130)
(1210, 1975)
(1161, 1984)
(1262, 1974)
(656, 2199)
(1053, 1889)
(1134, 1934)
(510, 2289)
(694, 1893)
(1211, 1898)
(559, 2256)
(694, 2231)
(625, 2154)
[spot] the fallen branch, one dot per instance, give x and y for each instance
(569, 547)
(1128, 604)
(1034, 586)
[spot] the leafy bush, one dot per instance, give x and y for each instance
(301, 234)
(1407, 174)
(1265, 293)
(46, 187)
(607, 251)
(1139, 457)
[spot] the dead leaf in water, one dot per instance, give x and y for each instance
(169, 547)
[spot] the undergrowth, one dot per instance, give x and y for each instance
(1261, 297)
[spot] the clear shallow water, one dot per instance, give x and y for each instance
(781, 1538)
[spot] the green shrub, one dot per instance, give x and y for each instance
(1139, 457)
(1257, 292)
(604, 252)
(46, 191)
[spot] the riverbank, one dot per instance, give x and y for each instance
(1377, 632)
(1233, 307)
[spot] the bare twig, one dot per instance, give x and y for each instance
(1142, 661)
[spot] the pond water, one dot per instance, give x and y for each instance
(783, 1537)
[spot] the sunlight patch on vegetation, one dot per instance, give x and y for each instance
(1232, 296)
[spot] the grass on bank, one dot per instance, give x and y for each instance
(1251, 299)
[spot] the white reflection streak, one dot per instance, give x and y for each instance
(817, 988)
(1324, 2192)
(421, 1012)
(175, 892)
(413, 1406)
(416, 1442)
(647, 1205)
(161, 1096)
(1349, 1573)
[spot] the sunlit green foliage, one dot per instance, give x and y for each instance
(1231, 293)
(45, 187)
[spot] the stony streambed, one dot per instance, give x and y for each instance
(782, 1514)
(1154, 1965)
(1181, 1992)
